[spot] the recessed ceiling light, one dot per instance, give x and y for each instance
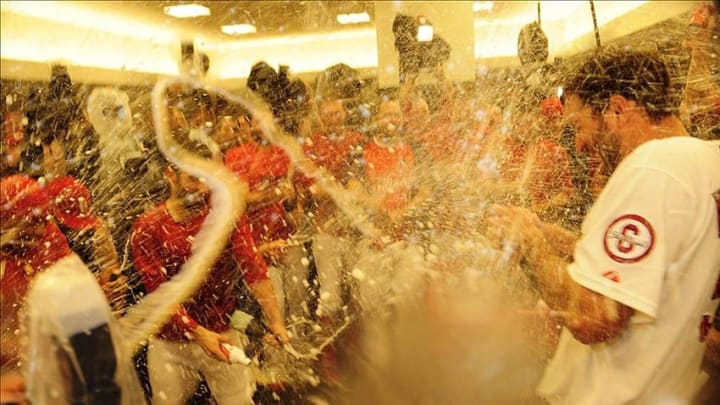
(353, 18)
(187, 11)
(238, 29)
(482, 6)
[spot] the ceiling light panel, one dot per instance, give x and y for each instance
(187, 11)
(353, 18)
(482, 6)
(239, 29)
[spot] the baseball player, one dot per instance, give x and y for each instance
(637, 293)
(192, 341)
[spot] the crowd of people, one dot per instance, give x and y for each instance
(614, 233)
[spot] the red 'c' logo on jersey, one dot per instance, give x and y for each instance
(629, 239)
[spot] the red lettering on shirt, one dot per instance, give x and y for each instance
(612, 275)
(705, 326)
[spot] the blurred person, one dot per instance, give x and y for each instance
(266, 168)
(30, 244)
(234, 126)
(512, 149)
(700, 107)
(389, 176)
(635, 295)
(390, 270)
(549, 183)
(108, 110)
(432, 131)
(12, 141)
(190, 344)
(483, 139)
(88, 235)
(338, 149)
(40, 279)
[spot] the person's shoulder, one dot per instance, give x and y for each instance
(677, 149)
(240, 150)
(675, 144)
(685, 159)
(153, 217)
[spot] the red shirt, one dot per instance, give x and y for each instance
(513, 159)
(19, 270)
(262, 167)
(440, 142)
(551, 171)
(336, 153)
(161, 246)
(70, 203)
(389, 171)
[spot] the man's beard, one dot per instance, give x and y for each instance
(609, 150)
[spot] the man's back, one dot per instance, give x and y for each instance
(652, 243)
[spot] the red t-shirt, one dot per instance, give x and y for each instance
(551, 172)
(389, 171)
(440, 142)
(513, 159)
(336, 153)
(262, 167)
(161, 246)
(19, 270)
(70, 203)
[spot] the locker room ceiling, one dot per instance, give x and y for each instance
(285, 17)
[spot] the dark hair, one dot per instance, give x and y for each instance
(195, 147)
(415, 55)
(338, 81)
(639, 76)
(532, 44)
(288, 99)
(225, 107)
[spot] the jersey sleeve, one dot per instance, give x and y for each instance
(628, 237)
(252, 265)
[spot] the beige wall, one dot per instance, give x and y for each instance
(101, 47)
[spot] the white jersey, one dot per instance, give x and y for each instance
(651, 242)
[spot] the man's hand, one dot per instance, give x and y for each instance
(211, 343)
(514, 225)
(278, 336)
